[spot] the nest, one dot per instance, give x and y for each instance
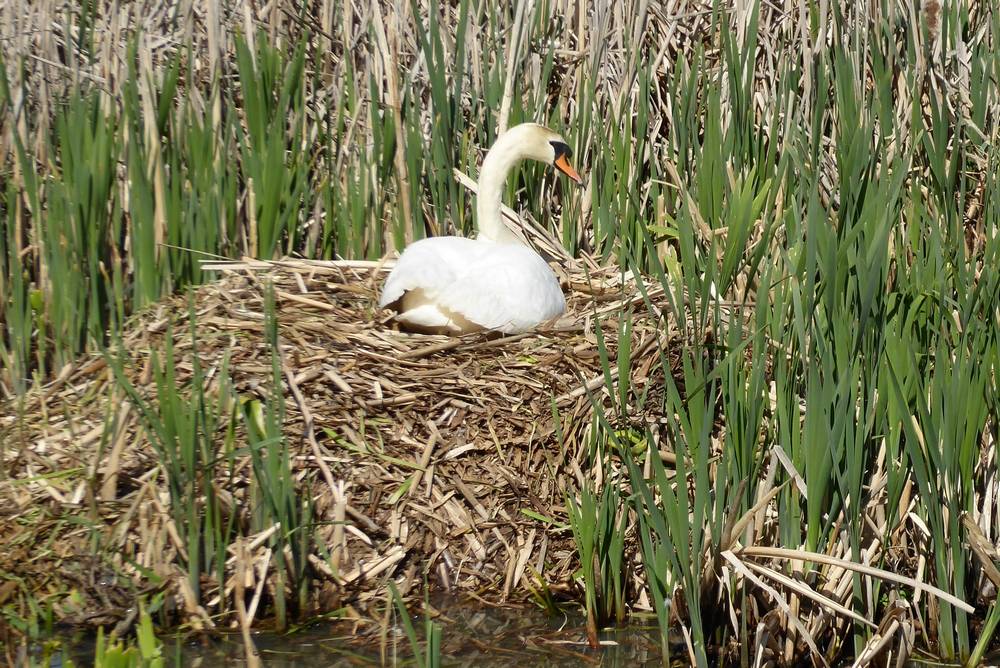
(428, 459)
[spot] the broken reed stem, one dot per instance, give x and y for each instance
(250, 652)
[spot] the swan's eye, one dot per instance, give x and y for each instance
(562, 149)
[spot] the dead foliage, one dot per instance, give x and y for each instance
(426, 457)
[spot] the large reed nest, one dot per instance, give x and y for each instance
(445, 460)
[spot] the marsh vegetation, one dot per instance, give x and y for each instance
(769, 418)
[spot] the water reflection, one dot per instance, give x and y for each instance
(470, 636)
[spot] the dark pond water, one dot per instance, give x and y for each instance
(491, 637)
(470, 636)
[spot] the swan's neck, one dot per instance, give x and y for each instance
(496, 165)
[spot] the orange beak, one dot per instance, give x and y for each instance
(562, 164)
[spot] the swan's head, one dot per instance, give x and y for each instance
(537, 142)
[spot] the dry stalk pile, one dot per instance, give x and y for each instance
(425, 456)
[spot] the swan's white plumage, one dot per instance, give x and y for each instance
(501, 287)
(430, 317)
(454, 285)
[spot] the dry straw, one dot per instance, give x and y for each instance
(425, 456)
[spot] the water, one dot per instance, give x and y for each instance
(470, 636)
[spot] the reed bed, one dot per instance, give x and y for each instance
(791, 214)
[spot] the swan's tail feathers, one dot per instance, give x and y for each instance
(431, 319)
(427, 316)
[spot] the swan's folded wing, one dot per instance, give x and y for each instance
(512, 291)
(429, 264)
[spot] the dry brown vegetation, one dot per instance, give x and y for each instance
(416, 449)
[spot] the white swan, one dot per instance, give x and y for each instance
(454, 285)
